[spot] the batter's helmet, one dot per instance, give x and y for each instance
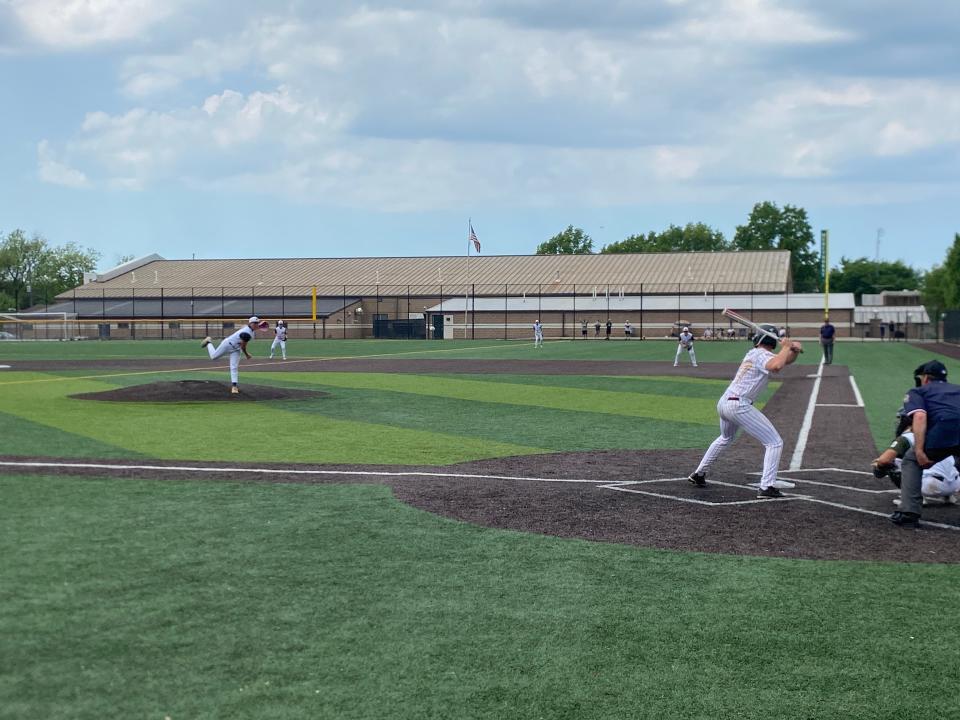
(768, 338)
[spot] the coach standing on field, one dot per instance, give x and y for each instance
(934, 409)
(827, 331)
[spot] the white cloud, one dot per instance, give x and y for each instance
(55, 172)
(66, 24)
(759, 22)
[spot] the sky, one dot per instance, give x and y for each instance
(215, 129)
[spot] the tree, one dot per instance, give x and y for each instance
(862, 275)
(572, 241)
(28, 264)
(941, 286)
(693, 237)
(770, 228)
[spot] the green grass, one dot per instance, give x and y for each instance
(124, 598)
(193, 600)
(372, 417)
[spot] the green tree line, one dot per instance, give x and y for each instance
(33, 271)
(770, 227)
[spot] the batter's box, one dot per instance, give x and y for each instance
(716, 494)
(819, 482)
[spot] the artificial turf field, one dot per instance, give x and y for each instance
(184, 599)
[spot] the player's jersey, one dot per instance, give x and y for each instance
(537, 329)
(686, 338)
(752, 376)
(281, 331)
(234, 341)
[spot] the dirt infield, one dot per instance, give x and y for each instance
(836, 510)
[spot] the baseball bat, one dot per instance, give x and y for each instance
(737, 318)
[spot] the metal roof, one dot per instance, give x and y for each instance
(765, 271)
(615, 303)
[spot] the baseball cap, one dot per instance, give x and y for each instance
(935, 369)
(253, 319)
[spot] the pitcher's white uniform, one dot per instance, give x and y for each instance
(233, 345)
(686, 343)
(537, 334)
(280, 339)
(737, 412)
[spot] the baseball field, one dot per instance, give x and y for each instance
(458, 530)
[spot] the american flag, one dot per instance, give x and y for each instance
(473, 239)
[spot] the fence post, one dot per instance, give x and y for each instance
(473, 311)
(162, 316)
(505, 291)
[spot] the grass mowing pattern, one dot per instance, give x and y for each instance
(201, 600)
(400, 419)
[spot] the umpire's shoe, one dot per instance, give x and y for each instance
(905, 519)
(698, 479)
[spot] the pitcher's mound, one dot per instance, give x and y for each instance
(180, 391)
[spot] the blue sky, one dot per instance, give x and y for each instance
(256, 129)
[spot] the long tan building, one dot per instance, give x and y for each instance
(443, 297)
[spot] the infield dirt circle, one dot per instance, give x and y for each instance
(836, 510)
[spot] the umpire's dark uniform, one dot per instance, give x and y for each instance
(936, 405)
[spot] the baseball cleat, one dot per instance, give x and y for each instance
(698, 479)
(905, 519)
(769, 493)
(206, 341)
(234, 390)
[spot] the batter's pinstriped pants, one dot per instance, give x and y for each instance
(741, 414)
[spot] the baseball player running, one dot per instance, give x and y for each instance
(686, 343)
(280, 339)
(537, 334)
(737, 412)
(235, 345)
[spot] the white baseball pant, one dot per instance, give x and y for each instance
(283, 347)
(741, 414)
(691, 352)
(222, 349)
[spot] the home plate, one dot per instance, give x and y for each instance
(779, 484)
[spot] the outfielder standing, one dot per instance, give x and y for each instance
(235, 344)
(537, 334)
(280, 339)
(737, 412)
(686, 343)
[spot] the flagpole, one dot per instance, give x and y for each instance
(466, 292)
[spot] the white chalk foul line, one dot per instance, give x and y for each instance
(797, 460)
(280, 471)
(619, 487)
(856, 391)
(928, 523)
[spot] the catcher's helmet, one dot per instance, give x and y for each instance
(769, 340)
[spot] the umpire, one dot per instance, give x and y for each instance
(934, 409)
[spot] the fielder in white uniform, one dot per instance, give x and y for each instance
(235, 345)
(280, 340)
(737, 412)
(537, 334)
(686, 343)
